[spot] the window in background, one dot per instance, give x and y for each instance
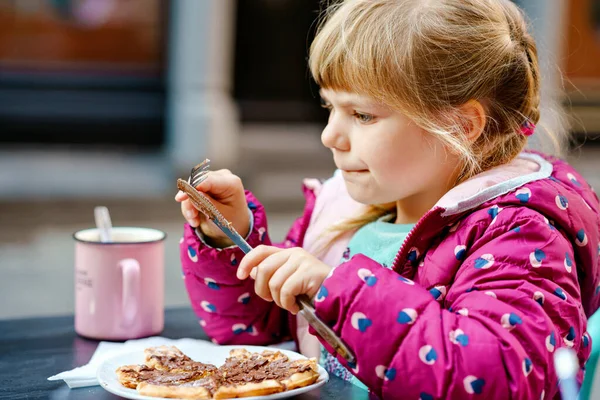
(581, 64)
(82, 71)
(583, 42)
(272, 80)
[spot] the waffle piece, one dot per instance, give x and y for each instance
(168, 373)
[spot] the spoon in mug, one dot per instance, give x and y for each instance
(103, 223)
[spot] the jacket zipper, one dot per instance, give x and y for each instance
(408, 241)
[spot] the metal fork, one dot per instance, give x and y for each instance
(199, 173)
(203, 203)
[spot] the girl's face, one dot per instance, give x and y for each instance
(384, 156)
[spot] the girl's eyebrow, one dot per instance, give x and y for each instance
(343, 103)
(351, 100)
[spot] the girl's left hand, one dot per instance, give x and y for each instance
(282, 274)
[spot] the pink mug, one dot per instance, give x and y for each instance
(119, 286)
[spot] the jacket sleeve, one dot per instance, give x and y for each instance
(228, 309)
(511, 304)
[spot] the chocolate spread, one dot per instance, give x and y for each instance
(169, 359)
(238, 369)
(258, 369)
(189, 372)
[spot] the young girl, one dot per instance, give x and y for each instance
(451, 262)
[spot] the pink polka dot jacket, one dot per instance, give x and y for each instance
(490, 282)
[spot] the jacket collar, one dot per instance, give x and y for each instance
(488, 185)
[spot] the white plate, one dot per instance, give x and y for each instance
(216, 355)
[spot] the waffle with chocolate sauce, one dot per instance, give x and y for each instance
(164, 365)
(169, 373)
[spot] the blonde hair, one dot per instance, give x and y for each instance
(427, 58)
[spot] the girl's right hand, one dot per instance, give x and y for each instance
(226, 192)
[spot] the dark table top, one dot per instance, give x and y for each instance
(33, 349)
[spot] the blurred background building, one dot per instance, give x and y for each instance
(107, 102)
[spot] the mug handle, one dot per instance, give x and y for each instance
(131, 289)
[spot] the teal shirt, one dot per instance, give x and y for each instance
(380, 241)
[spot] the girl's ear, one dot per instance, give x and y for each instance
(473, 119)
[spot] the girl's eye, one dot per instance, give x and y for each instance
(363, 118)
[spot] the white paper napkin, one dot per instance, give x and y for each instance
(86, 375)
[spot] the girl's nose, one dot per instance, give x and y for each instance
(333, 135)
